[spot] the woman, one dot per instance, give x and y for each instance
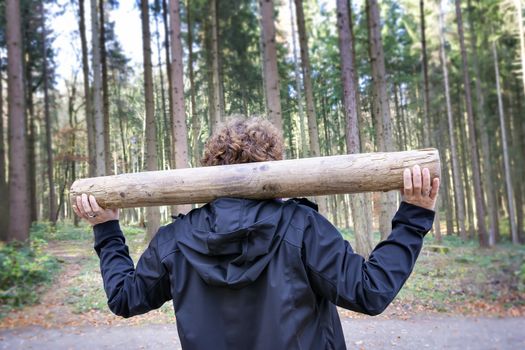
(259, 274)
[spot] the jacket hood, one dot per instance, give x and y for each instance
(230, 241)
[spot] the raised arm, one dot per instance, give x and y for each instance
(345, 278)
(130, 291)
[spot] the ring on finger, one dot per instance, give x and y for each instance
(92, 215)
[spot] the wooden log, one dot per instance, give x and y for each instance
(350, 173)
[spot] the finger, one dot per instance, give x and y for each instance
(426, 182)
(416, 179)
(94, 204)
(77, 212)
(80, 207)
(86, 205)
(435, 188)
(407, 182)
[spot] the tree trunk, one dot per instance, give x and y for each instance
(87, 92)
(297, 75)
(351, 173)
(426, 90)
(97, 95)
(3, 180)
(4, 207)
(457, 186)
(361, 215)
(168, 60)
(52, 206)
(73, 125)
(313, 131)
(216, 117)
(195, 124)
(521, 33)
(165, 134)
(488, 172)
(152, 213)
(19, 216)
(381, 109)
(464, 160)
(399, 127)
(105, 90)
(506, 163)
(180, 130)
(271, 73)
(31, 142)
(474, 154)
(446, 198)
(519, 166)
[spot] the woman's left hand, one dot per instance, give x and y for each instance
(88, 208)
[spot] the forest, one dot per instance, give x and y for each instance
(88, 89)
(340, 79)
(344, 78)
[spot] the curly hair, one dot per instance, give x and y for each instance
(243, 141)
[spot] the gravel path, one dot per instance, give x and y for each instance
(421, 332)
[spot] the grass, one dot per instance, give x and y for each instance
(459, 280)
(465, 276)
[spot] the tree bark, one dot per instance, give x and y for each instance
(313, 131)
(167, 51)
(426, 90)
(52, 206)
(195, 124)
(105, 90)
(4, 207)
(19, 216)
(521, 32)
(73, 147)
(458, 187)
(165, 134)
(519, 166)
(152, 214)
(297, 76)
(97, 95)
(3, 173)
(506, 162)
(381, 109)
(31, 142)
(180, 129)
(492, 205)
(90, 126)
(218, 105)
(474, 154)
(351, 173)
(271, 73)
(361, 215)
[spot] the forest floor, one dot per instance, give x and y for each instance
(463, 297)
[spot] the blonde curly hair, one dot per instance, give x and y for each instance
(243, 141)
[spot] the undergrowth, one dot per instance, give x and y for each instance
(24, 270)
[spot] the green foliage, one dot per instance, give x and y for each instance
(23, 269)
(64, 230)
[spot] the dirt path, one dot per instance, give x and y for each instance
(422, 332)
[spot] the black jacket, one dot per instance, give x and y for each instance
(248, 274)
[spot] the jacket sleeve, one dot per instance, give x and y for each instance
(130, 291)
(346, 279)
